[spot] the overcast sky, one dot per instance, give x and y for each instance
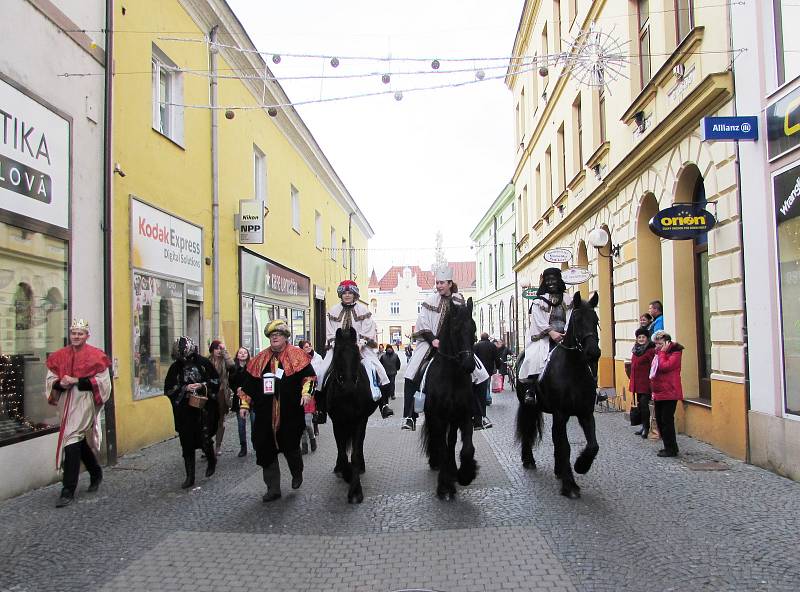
(434, 160)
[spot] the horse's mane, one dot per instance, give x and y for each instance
(345, 350)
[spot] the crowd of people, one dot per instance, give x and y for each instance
(278, 393)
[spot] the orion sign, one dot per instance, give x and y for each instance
(682, 222)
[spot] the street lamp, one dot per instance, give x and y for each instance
(599, 238)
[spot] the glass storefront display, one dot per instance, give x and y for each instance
(33, 323)
(271, 291)
(158, 320)
(786, 190)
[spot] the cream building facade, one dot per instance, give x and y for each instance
(396, 298)
(610, 158)
(494, 238)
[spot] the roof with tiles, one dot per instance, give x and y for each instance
(463, 275)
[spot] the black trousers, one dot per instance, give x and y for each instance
(74, 454)
(479, 399)
(665, 420)
(408, 399)
(643, 403)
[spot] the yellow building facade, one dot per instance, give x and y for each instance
(163, 200)
(610, 158)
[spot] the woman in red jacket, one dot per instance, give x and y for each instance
(641, 360)
(665, 384)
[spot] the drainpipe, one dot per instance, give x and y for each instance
(214, 183)
(108, 177)
(737, 168)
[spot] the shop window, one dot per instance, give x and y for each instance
(158, 320)
(167, 96)
(787, 44)
(787, 210)
(33, 318)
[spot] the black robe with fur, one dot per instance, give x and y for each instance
(195, 427)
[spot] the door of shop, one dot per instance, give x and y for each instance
(319, 325)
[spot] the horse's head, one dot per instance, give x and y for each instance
(346, 361)
(458, 336)
(583, 326)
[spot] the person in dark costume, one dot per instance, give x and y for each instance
(191, 373)
(278, 384)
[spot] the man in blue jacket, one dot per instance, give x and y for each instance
(656, 310)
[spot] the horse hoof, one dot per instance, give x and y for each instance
(583, 464)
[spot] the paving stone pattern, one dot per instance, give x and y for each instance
(643, 523)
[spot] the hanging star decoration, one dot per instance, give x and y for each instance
(596, 58)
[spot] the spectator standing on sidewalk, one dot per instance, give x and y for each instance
(502, 355)
(189, 378)
(223, 364)
(79, 383)
(656, 310)
(409, 353)
(391, 363)
(486, 352)
(241, 408)
(641, 360)
(665, 384)
(310, 408)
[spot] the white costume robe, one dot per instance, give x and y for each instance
(80, 412)
(537, 340)
(430, 319)
(359, 318)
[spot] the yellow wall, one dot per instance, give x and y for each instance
(724, 424)
(178, 180)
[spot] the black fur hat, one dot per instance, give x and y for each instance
(554, 271)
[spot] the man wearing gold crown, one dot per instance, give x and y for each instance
(351, 313)
(79, 383)
(278, 385)
(431, 317)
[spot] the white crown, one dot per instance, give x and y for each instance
(444, 274)
(80, 325)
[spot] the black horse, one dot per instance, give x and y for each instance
(448, 402)
(566, 388)
(350, 404)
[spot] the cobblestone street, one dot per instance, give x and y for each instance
(643, 523)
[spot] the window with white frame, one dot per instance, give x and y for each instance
(394, 307)
(167, 96)
(344, 253)
(295, 209)
(318, 229)
(333, 243)
(259, 174)
(645, 62)
(787, 44)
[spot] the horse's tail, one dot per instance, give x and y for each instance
(425, 437)
(530, 422)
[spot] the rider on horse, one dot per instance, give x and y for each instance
(351, 313)
(549, 314)
(431, 317)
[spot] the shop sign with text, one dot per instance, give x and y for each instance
(576, 275)
(682, 222)
(786, 190)
(729, 128)
(558, 255)
(165, 244)
(783, 124)
(262, 277)
(34, 158)
(251, 222)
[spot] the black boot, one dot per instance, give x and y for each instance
(188, 463)
(272, 479)
(212, 459)
(295, 462)
(66, 498)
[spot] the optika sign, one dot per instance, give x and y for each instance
(165, 244)
(682, 222)
(34, 158)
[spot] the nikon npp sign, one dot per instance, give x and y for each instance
(251, 222)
